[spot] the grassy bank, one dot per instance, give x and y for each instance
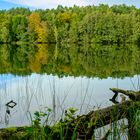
(120, 121)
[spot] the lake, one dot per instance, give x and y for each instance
(55, 76)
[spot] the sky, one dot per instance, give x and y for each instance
(45, 4)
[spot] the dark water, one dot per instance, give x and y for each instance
(62, 76)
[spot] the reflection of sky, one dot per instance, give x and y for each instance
(6, 77)
(35, 92)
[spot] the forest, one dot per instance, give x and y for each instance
(103, 24)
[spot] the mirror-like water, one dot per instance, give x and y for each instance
(59, 77)
(37, 92)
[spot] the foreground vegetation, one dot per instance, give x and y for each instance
(71, 127)
(122, 118)
(118, 23)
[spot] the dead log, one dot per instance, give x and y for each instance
(95, 119)
(106, 115)
(86, 124)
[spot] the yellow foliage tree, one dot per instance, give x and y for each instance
(40, 28)
(64, 17)
(34, 21)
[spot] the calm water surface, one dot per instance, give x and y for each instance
(60, 77)
(37, 92)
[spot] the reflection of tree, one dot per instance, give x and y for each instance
(71, 59)
(20, 58)
(97, 61)
(39, 59)
(4, 58)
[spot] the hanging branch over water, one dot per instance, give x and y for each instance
(133, 95)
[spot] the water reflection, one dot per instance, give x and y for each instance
(37, 92)
(61, 76)
(71, 60)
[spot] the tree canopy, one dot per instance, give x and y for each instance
(115, 24)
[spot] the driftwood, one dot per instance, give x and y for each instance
(101, 117)
(133, 95)
(95, 119)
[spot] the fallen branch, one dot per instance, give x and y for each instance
(86, 124)
(133, 95)
(95, 119)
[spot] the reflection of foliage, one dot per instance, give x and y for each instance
(5, 58)
(39, 59)
(89, 60)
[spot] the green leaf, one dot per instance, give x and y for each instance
(37, 114)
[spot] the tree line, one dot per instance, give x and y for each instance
(115, 24)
